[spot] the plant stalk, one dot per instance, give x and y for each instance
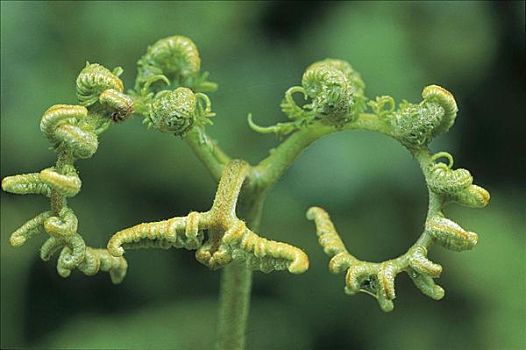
(236, 284)
(236, 279)
(234, 302)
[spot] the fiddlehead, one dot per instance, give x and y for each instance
(30, 228)
(179, 111)
(375, 279)
(170, 232)
(413, 126)
(218, 235)
(73, 131)
(26, 184)
(455, 185)
(435, 93)
(336, 94)
(120, 104)
(94, 79)
(168, 93)
(336, 91)
(172, 61)
(67, 183)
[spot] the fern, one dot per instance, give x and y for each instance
(169, 95)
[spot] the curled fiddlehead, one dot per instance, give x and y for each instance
(120, 105)
(94, 79)
(73, 131)
(172, 61)
(60, 124)
(175, 55)
(30, 228)
(455, 185)
(336, 94)
(179, 111)
(218, 235)
(413, 126)
(435, 93)
(94, 260)
(336, 91)
(375, 279)
(167, 93)
(101, 91)
(26, 184)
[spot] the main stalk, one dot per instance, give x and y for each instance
(236, 284)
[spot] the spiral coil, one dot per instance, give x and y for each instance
(378, 279)
(73, 131)
(169, 95)
(172, 61)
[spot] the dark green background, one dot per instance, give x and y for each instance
(369, 183)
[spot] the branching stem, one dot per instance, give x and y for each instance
(236, 283)
(225, 237)
(236, 279)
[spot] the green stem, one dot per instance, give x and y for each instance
(208, 151)
(234, 302)
(236, 284)
(423, 156)
(58, 201)
(270, 169)
(236, 279)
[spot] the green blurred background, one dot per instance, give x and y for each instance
(370, 185)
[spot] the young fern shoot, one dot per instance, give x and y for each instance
(73, 131)
(169, 94)
(413, 125)
(227, 237)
